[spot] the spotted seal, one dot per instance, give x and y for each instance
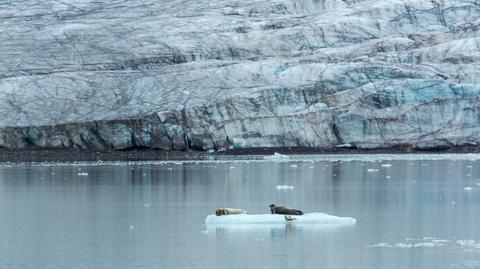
(229, 211)
(284, 210)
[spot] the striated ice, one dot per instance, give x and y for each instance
(224, 74)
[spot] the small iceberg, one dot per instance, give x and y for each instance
(284, 187)
(468, 188)
(277, 157)
(386, 165)
(372, 170)
(316, 218)
(82, 174)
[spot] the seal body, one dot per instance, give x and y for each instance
(229, 211)
(284, 210)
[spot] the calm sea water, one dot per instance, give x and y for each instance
(418, 213)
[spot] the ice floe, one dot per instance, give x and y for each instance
(277, 157)
(82, 174)
(468, 188)
(316, 218)
(284, 187)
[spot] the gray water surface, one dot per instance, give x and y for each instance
(414, 214)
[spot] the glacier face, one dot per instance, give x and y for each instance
(178, 74)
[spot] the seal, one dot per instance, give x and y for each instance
(229, 211)
(284, 210)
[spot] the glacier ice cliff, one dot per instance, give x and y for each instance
(216, 74)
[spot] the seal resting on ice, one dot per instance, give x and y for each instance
(229, 211)
(284, 210)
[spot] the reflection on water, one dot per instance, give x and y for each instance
(414, 214)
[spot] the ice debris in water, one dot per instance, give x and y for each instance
(277, 157)
(82, 174)
(426, 242)
(386, 165)
(429, 242)
(372, 170)
(284, 187)
(468, 188)
(294, 166)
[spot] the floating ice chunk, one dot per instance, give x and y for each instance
(277, 157)
(232, 167)
(388, 177)
(348, 146)
(82, 174)
(294, 166)
(284, 187)
(386, 165)
(468, 188)
(274, 219)
(469, 243)
(132, 227)
(372, 170)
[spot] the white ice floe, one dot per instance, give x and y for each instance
(284, 187)
(294, 166)
(316, 218)
(468, 188)
(372, 170)
(386, 165)
(469, 243)
(277, 157)
(82, 174)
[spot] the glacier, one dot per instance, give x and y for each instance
(223, 74)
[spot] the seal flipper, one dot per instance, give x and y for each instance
(289, 218)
